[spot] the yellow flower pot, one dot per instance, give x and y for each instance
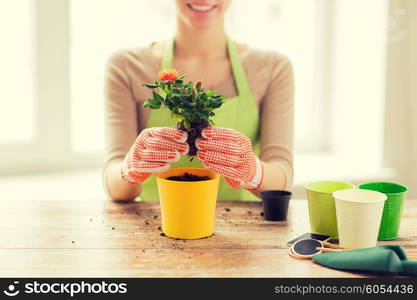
(188, 207)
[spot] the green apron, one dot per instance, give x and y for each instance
(240, 113)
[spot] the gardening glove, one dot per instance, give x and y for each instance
(153, 151)
(229, 153)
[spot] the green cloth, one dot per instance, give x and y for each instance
(240, 113)
(385, 259)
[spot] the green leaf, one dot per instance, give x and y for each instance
(157, 97)
(166, 82)
(186, 114)
(168, 102)
(203, 115)
(216, 103)
(186, 102)
(151, 103)
(182, 77)
(178, 83)
(151, 86)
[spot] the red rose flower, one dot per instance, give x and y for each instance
(168, 75)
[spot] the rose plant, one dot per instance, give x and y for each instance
(189, 103)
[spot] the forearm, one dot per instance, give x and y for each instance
(274, 178)
(117, 188)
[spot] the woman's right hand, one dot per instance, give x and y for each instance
(153, 151)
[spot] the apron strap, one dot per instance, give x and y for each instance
(239, 75)
(167, 59)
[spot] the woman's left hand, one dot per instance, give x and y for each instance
(229, 153)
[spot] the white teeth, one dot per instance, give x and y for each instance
(201, 7)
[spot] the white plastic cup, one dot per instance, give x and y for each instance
(359, 214)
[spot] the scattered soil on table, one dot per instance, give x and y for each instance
(149, 225)
(188, 177)
(73, 242)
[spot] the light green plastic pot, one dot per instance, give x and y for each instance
(393, 207)
(321, 206)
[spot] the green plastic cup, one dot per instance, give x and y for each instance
(393, 207)
(321, 206)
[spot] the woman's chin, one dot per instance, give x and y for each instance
(203, 23)
(203, 20)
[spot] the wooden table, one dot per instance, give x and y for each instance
(105, 239)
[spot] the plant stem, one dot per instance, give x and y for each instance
(193, 132)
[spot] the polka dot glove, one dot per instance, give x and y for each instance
(229, 153)
(153, 151)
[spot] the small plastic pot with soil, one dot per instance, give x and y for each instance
(188, 199)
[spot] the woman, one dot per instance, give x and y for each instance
(251, 144)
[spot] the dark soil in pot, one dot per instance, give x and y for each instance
(188, 177)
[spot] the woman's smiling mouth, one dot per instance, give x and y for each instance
(201, 8)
